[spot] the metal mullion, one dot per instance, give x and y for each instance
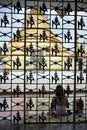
(11, 61)
(62, 54)
(25, 61)
(37, 67)
(75, 52)
(49, 60)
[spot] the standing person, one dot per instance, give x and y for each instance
(81, 105)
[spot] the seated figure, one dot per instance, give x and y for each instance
(59, 102)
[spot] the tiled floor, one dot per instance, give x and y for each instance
(82, 126)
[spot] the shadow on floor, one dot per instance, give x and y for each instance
(81, 126)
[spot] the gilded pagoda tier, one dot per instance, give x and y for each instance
(37, 45)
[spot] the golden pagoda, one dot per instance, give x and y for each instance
(38, 34)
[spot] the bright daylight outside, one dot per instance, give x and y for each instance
(43, 61)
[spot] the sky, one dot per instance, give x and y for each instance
(63, 24)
